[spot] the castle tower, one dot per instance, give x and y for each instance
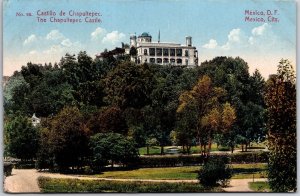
(133, 41)
(188, 40)
(145, 38)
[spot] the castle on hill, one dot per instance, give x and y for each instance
(162, 53)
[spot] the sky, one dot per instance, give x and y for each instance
(218, 28)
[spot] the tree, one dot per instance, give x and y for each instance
(280, 97)
(244, 93)
(160, 115)
(218, 120)
(32, 73)
(151, 142)
(204, 100)
(113, 148)
(65, 140)
(108, 119)
(22, 138)
(128, 86)
(15, 94)
(51, 94)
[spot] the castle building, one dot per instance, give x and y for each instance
(163, 53)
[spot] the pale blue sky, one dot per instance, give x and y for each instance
(218, 27)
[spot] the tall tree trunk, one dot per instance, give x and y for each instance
(161, 150)
(200, 145)
(188, 149)
(242, 147)
(209, 143)
(246, 147)
(232, 148)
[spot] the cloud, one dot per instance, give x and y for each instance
(264, 35)
(113, 37)
(32, 52)
(211, 44)
(55, 35)
(260, 46)
(30, 39)
(98, 34)
(234, 35)
(236, 39)
(260, 29)
(66, 42)
(54, 49)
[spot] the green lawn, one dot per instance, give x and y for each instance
(239, 171)
(260, 186)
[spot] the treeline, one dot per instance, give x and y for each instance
(103, 110)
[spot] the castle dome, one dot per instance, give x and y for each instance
(145, 34)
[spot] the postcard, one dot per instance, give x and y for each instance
(154, 96)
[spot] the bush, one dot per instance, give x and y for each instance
(25, 165)
(249, 157)
(193, 160)
(7, 168)
(50, 185)
(215, 170)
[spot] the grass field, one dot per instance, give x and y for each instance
(260, 186)
(239, 171)
(52, 185)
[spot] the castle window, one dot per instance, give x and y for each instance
(172, 61)
(178, 52)
(158, 60)
(186, 53)
(158, 51)
(166, 52)
(179, 61)
(186, 62)
(152, 51)
(172, 52)
(145, 52)
(166, 60)
(152, 60)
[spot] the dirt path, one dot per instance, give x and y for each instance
(25, 181)
(22, 181)
(241, 185)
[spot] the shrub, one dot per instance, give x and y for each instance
(7, 168)
(51, 185)
(24, 165)
(192, 160)
(215, 170)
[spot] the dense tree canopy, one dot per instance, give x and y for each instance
(281, 105)
(244, 93)
(65, 139)
(22, 138)
(85, 101)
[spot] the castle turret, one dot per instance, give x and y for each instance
(188, 41)
(133, 41)
(145, 38)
